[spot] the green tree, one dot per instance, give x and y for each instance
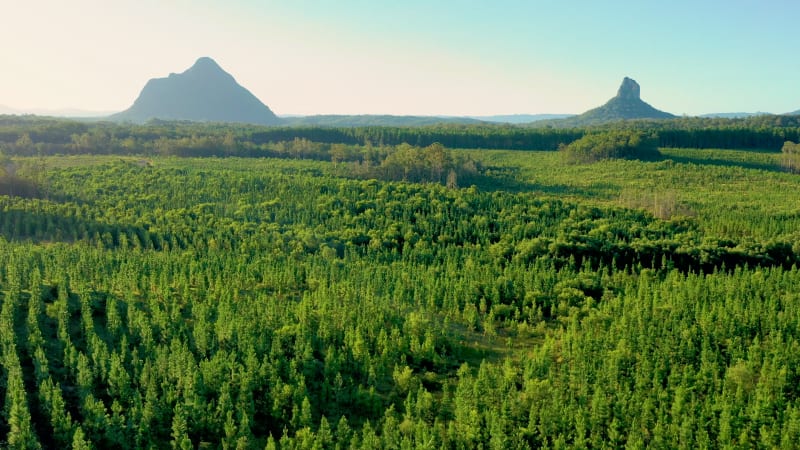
(617, 144)
(80, 441)
(791, 156)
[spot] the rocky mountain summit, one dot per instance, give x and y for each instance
(629, 90)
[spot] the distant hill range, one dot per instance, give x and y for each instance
(203, 93)
(372, 120)
(368, 120)
(733, 115)
(626, 105)
(521, 118)
(65, 112)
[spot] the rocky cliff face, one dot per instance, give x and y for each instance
(204, 92)
(628, 90)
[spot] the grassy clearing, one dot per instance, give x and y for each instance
(732, 193)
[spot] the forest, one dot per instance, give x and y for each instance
(176, 285)
(31, 135)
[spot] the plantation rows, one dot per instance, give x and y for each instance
(269, 304)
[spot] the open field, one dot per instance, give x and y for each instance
(731, 193)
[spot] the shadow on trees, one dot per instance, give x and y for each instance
(43, 226)
(27, 188)
(19, 187)
(668, 255)
(726, 163)
(509, 179)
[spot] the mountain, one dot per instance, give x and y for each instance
(796, 113)
(203, 93)
(626, 105)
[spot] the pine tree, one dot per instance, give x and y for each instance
(21, 434)
(80, 441)
(180, 430)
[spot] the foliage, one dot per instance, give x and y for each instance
(159, 301)
(33, 136)
(791, 156)
(611, 145)
(433, 163)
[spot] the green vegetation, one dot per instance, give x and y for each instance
(43, 136)
(367, 295)
(791, 156)
(611, 145)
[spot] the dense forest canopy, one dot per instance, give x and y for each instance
(245, 287)
(29, 135)
(623, 144)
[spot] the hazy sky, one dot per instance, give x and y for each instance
(423, 57)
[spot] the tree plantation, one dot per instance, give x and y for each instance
(305, 293)
(26, 135)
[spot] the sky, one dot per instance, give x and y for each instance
(412, 57)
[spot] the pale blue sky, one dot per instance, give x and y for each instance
(455, 57)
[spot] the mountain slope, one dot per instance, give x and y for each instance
(626, 105)
(204, 92)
